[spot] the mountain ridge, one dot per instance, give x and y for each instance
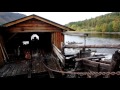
(6, 17)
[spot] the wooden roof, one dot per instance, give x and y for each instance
(38, 18)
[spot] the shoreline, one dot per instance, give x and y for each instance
(78, 33)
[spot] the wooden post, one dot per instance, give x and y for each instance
(62, 48)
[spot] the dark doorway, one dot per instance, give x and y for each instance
(16, 45)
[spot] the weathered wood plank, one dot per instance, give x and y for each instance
(38, 27)
(59, 54)
(24, 67)
(104, 67)
(21, 67)
(35, 66)
(93, 46)
(18, 71)
(10, 73)
(89, 58)
(34, 25)
(94, 66)
(6, 71)
(3, 53)
(32, 30)
(16, 68)
(4, 68)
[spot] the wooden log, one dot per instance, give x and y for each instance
(91, 58)
(106, 62)
(104, 67)
(93, 65)
(115, 63)
(90, 65)
(75, 34)
(93, 46)
(88, 58)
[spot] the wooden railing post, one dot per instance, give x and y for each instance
(62, 48)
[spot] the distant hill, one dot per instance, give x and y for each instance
(8, 16)
(104, 23)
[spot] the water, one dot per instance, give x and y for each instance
(95, 39)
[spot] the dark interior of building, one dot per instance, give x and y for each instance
(19, 43)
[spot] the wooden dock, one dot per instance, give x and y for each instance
(22, 68)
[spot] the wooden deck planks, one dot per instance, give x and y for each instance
(3, 69)
(3, 74)
(18, 71)
(24, 69)
(13, 67)
(21, 67)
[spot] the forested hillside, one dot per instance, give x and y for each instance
(105, 23)
(8, 16)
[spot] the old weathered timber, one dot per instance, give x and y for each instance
(23, 68)
(74, 33)
(93, 46)
(107, 66)
(115, 63)
(59, 54)
(89, 58)
(92, 65)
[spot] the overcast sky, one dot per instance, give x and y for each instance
(66, 17)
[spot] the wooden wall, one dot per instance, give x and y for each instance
(33, 25)
(57, 38)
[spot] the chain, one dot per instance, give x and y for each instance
(83, 73)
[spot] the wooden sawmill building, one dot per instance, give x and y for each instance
(13, 35)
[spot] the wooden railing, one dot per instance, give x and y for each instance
(59, 54)
(93, 46)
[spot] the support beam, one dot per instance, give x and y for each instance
(12, 36)
(3, 53)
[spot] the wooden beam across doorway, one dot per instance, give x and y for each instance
(11, 37)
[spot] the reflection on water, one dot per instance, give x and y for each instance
(102, 35)
(94, 39)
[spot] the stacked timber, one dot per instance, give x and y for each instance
(90, 64)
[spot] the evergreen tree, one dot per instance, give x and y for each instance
(105, 23)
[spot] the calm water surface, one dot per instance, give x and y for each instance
(95, 39)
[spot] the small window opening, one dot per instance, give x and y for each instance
(34, 36)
